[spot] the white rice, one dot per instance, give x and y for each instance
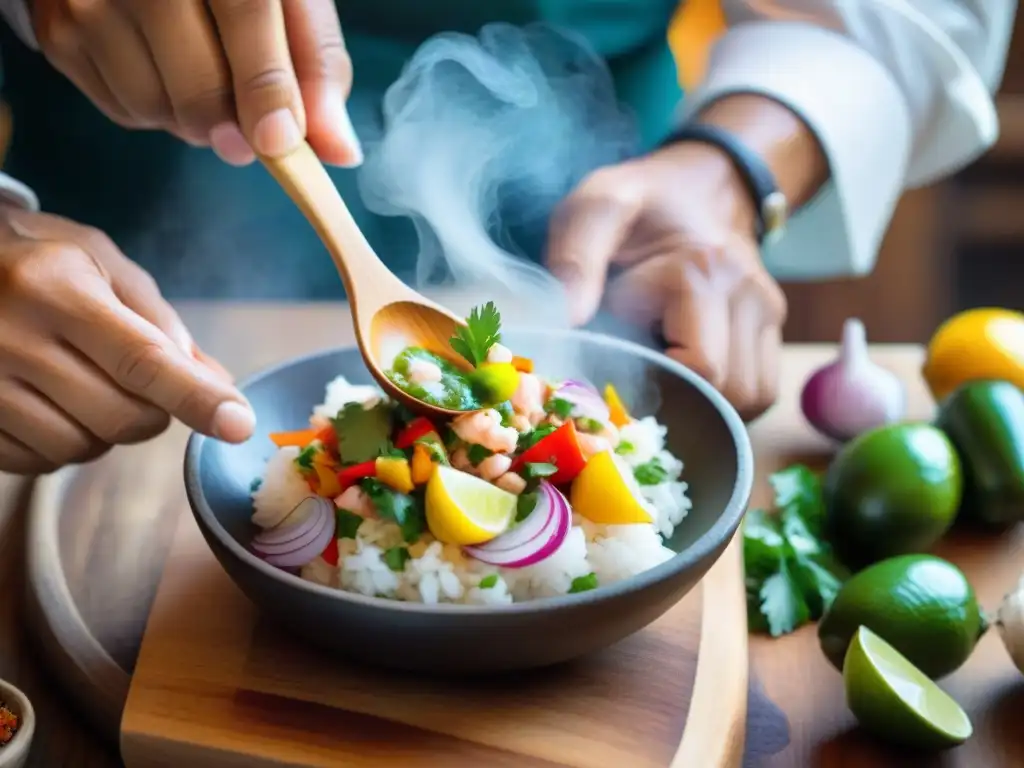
(438, 573)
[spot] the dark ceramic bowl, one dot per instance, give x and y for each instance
(703, 430)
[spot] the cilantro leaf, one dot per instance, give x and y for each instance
(396, 558)
(255, 484)
(304, 461)
(531, 438)
(481, 332)
(362, 433)
(397, 507)
(506, 412)
(781, 602)
(587, 424)
(559, 407)
(348, 524)
(624, 448)
(525, 505)
(488, 581)
(477, 453)
(650, 473)
(797, 486)
(583, 583)
(539, 469)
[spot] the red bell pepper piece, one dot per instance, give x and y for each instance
(328, 437)
(330, 553)
(349, 476)
(561, 448)
(417, 428)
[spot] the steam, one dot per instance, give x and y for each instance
(482, 137)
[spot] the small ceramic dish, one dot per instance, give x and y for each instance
(14, 754)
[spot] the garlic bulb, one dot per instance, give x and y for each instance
(1010, 621)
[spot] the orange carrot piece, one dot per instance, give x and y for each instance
(299, 438)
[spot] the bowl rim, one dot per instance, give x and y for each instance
(716, 537)
(19, 703)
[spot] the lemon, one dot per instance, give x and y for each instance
(462, 509)
(495, 382)
(984, 343)
(606, 492)
(893, 699)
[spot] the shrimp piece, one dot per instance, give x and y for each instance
(494, 466)
(591, 445)
(423, 371)
(484, 428)
(499, 354)
(528, 398)
(355, 500)
(460, 460)
(511, 482)
(521, 423)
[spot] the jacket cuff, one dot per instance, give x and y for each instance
(14, 192)
(15, 13)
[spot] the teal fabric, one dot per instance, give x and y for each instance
(207, 230)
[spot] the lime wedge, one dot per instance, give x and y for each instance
(896, 701)
(463, 509)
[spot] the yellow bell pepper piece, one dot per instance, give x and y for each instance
(422, 464)
(327, 480)
(606, 492)
(394, 473)
(985, 343)
(616, 410)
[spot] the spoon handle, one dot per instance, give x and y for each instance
(304, 178)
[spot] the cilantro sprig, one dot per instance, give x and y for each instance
(792, 576)
(481, 332)
(363, 433)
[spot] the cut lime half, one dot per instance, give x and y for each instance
(894, 700)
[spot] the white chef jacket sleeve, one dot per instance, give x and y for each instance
(898, 92)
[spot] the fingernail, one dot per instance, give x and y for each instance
(277, 134)
(230, 145)
(233, 422)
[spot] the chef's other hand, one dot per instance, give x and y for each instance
(91, 355)
(236, 75)
(680, 223)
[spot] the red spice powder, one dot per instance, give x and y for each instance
(8, 724)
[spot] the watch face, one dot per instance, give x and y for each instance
(774, 213)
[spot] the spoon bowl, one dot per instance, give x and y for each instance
(387, 315)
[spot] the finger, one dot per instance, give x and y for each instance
(697, 326)
(122, 57)
(267, 97)
(142, 360)
(18, 458)
(743, 378)
(586, 232)
(771, 353)
(85, 76)
(641, 295)
(92, 398)
(213, 364)
(324, 72)
(35, 421)
(184, 45)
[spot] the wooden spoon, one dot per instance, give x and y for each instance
(388, 315)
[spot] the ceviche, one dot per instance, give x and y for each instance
(543, 487)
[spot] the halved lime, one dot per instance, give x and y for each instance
(463, 509)
(896, 701)
(495, 382)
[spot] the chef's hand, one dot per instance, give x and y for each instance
(91, 355)
(233, 74)
(681, 225)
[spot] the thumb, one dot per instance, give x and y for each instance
(587, 231)
(324, 72)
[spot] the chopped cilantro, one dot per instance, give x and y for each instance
(588, 424)
(525, 505)
(255, 484)
(536, 470)
(305, 458)
(403, 415)
(396, 557)
(397, 507)
(481, 332)
(624, 448)
(559, 407)
(583, 583)
(488, 581)
(506, 412)
(650, 473)
(791, 575)
(389, 451)
(348, 524)
(362, 433)
(530, 439)
(477, 453)
(437, 453)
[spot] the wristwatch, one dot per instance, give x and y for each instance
(769, 201)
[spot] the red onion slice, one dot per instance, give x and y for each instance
(301, 543)
(309, 534)
(296, 522)
(554, 511)
(587, 401)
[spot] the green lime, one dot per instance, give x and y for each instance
(893, 490)
(921, 604)
(495, 382)
(894, 700)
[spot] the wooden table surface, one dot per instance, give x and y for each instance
(792, 670)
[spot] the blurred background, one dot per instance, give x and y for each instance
(952, 246)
